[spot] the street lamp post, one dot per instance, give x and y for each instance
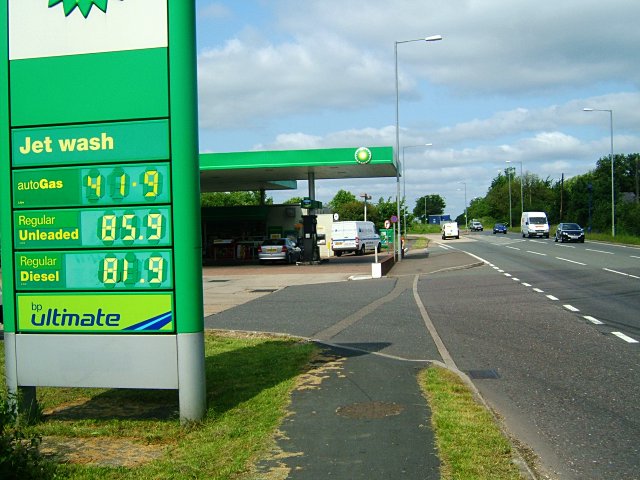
(366, 197)
(613, 192)
(510, 216)
(521, 189)
(433, 38)
(466, 220)
(404, 182)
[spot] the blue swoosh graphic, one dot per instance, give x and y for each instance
(154, 323)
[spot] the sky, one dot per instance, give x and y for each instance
(508, 82)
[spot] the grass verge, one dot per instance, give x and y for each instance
(249, 382)
(470, 444)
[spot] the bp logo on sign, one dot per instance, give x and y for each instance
(363, 155)
(83, 5)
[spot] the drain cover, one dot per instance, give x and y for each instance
(483, 374)
(263, 290)
(217, 281)
(370, 410)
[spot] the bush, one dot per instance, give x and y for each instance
(19, 455)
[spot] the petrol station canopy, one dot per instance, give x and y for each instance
(280, 169)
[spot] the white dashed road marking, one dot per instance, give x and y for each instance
(599, 251)
(571, 308)
(625, 337)
(593, 320)
(551, 297)
(621, 273)
(570, 261)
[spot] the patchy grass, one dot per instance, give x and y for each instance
(619, 238)
(470, 444)
(421, 242)
(249, 382)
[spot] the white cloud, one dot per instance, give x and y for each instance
(513, 78)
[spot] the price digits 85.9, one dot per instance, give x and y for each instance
(118, 184)
(129, 271)
(129, 229)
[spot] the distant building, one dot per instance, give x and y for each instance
(438, 219)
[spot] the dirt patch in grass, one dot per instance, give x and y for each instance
(104, 452)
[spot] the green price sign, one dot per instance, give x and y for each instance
(95, 270)
(88, 186)
(92, 228)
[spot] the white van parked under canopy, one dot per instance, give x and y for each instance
(354, 236)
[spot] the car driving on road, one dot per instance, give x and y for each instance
(569, 232)
(476, 226)
(499, 228)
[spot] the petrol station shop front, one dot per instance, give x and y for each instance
(232, 234)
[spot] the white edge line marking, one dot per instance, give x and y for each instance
(526, 284)
(571, 308)
(538, 290)
(571, 261)
(625, 337)
(593, 320)
(551, 297)
(536, 253)
(621, 273)
(599, 251)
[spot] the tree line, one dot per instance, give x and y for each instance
(584, 199)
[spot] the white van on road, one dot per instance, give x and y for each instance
(450, 230)
(534, 224)
(354, 236)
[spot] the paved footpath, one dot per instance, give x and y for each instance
(360, 413)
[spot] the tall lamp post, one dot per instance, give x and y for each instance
(521, 189)
(466, 220)
(510, 215)
(404, 182)
(433, 38)
(613, 192)
(366, 197)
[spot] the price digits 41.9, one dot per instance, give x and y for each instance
(118, 184)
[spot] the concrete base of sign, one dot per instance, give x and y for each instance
(191, 372)
(376, 270)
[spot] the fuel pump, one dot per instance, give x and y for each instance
(310, 239)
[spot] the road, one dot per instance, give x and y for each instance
(550, 331)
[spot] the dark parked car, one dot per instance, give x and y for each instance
(279, 250)
(499, 228)
(569, 232)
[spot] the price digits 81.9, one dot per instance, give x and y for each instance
(127, 271)
(118, 184)
(127, 229)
